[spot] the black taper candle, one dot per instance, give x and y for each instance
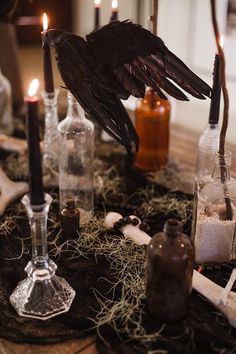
(47, 63)
(97, 17)
(47, 66)
(216, 93)
(114, 14)
(34, 155)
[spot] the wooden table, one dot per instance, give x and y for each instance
(183, 147)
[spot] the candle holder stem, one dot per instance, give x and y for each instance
(42, 294)
(50, 155)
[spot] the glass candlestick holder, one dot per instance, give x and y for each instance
(42, 294)
(50, 154)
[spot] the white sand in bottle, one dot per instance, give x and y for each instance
(213, 239)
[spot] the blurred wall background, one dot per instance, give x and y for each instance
(186, 28)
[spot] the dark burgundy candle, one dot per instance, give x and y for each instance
(216, 93)
(34, 155)
(47, 63)
(114, 14)
(97, 14)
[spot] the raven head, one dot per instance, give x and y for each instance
(55, 37)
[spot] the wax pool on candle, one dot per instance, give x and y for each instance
(47, 64)
(34, 156)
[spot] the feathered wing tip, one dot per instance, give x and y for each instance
(138, 58)
(112, 116)
(118, 125)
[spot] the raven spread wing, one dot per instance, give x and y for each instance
(137, 57)
(116, 61)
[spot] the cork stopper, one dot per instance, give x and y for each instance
(70, 204)
(172, 227)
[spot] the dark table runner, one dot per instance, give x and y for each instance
(204, 330)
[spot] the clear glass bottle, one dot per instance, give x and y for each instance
(6, 116)
(76, 154)
(170, 257)
(209, 139)
(214, 215)
(152, 117)
(50, 152)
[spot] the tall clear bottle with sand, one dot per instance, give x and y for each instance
(214, 225)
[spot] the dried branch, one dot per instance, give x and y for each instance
(223, 80)
(154, 16)
(229, 211)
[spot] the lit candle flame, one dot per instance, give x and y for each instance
(222, 41)
(114, 5)
(97, 3)
(33, 88)
(45, 22)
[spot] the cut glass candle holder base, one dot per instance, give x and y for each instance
(42, 294)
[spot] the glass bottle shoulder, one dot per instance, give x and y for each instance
(209, 139)
(76, 125)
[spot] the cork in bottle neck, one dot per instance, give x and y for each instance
(70, 204)
(172, 227)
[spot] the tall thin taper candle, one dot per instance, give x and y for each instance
(47, 63)
(114, 14)
(34, 155)
(97, 4)
(216, 93)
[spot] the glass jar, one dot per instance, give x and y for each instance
(6, 116)
(214, 214)
(76, 154)
(170, 257)
(152, 116)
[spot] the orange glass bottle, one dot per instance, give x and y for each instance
(152, 117)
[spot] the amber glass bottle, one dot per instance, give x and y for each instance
(170, 257)
(152, 116)
(70, 220)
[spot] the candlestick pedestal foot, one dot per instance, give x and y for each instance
(42, 294)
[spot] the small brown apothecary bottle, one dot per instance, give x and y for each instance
(170, 258)
(152, 117)
(70, 220)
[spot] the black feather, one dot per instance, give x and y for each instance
(115, 61)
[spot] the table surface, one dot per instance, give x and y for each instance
(183, 145)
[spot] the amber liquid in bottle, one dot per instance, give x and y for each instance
(170, 257)
(152, 117)
(70, 220)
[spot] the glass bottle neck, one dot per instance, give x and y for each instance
(221, 171)
(74, 110)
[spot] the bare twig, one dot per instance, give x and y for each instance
(154, 16)
(229, 211)
(223, 80)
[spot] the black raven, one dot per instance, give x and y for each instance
(117, 61)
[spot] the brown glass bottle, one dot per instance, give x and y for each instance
(170, 257)
(70, 220)
(152, 116)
